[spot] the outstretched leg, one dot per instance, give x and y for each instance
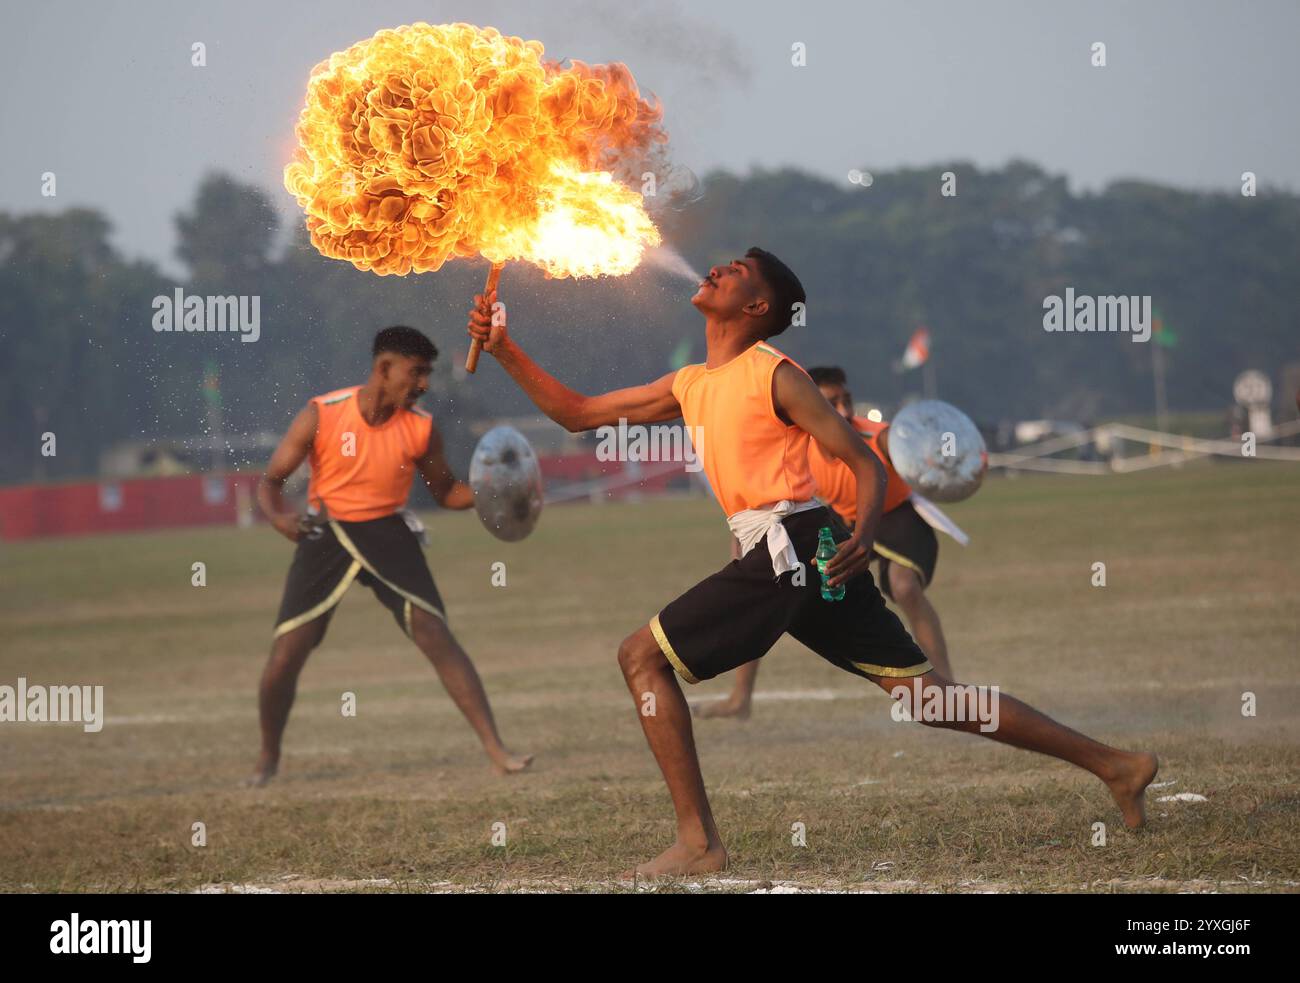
(458, 675)
(279, 685)
(922, 619)
(1126, 773)
(666, 720)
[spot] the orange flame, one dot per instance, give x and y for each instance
(425, 143)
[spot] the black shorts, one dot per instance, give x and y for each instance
(737, 615)
(383, 554)
(903, 537)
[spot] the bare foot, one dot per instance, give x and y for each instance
(1130, 784)
(506, 763)
(680, 860)
(266, 769)
(721, 708)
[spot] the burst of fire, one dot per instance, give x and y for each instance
(427, 143)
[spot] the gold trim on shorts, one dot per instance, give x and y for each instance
(893, 672)
(893, 557)
(312, 614)
(666, 647)
(348, 545)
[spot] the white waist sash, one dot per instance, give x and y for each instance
(749, 526)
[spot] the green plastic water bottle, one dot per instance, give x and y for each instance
(825, 553)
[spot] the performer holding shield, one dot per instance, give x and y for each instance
(906, 549)
(758, 410)
(365, 445)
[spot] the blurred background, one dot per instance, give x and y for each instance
(1118, 179)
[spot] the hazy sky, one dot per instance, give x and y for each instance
(1195, 92)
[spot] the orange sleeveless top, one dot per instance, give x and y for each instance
(360, 472)
(836, 485)
(750, 456)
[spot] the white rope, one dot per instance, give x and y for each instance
(1053, 465)
(1192, 445)
(1033, 457)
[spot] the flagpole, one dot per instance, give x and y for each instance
(216, 423)
(1158, 343)
(1158, 376)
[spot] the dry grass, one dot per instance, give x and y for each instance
(1200, 607)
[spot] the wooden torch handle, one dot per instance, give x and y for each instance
(471, 360)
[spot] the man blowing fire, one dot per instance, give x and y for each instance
(758, 410)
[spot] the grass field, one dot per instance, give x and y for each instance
(1200, 607)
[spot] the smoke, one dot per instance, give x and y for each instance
(667, 31)
(670, 261)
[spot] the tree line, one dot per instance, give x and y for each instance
(82, 359)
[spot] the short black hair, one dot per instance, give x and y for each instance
(828, 375)
(401, 340)
(786, 288)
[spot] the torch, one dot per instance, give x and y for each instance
(429, 143)
(494, 275)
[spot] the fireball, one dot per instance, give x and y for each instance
(429, 143)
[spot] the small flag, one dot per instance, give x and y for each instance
(1162, 334)
(917, 351)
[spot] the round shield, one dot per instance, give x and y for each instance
(507, 483)
(938, 450)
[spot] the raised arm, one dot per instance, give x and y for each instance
(291, 452)
(447, 491)
(802, 402)
(651, 403)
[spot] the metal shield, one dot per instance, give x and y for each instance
(507, 483)
(938, 450)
